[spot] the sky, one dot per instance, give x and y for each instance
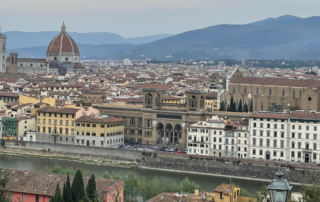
(134, 18)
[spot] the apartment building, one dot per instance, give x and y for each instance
(206, 137)
(99, 131)
(304, 135)
(57, 125)
(269, 136)
(241, 129)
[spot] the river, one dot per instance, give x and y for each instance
(207, 183)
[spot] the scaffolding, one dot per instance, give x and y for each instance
(10, 127)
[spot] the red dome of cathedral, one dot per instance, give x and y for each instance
(63, 43)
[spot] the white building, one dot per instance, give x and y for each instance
(206, 137)
(127, 61)
(242, 132)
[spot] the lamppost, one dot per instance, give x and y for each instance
(279, 189)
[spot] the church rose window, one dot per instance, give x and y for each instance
(309, 99)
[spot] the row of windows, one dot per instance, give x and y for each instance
(275, 120)
(102, 143)
(307, 127)
(88, 133)
(275, 133)
(307, 136)
(275, 126)
(275, 153)
(55, 130)
(275, 143)
(93, 125)
(307, 145)
(55, 121)
(270, 92)
(56, 115)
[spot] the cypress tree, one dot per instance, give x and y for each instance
(231, 104)
(67, 194)
(64, 191)
(91, 189)
(234, 107)
(222, 106)
(251, 106)
(77, 188)
(245, 108)
(240, 106)
(228, 108)
(57, 196)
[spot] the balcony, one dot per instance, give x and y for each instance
(307, 150)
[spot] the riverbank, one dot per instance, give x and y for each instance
(65, 157)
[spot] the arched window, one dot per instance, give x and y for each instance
(245, 90)
(269, 91)
(261, 105)
(283, 93)
(44, 129)
(201, 102)
(232, 141)
(192, 102)
(148, 99)
(234, 90)
(60, 130)
(300, 94)
(257, 91)
(294, 93)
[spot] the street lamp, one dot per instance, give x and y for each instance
(279, 189)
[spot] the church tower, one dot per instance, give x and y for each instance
(13, 63)
(3, 51)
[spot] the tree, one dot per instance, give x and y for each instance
(222, 106)
(275, 108)
(251, 106)
(240, 106)
(130, 187)
(261, 196)
(245, 107)
(77, 188)
(232, 106)
(67, 194)
(57, 196)
(91, 189)
(224, 83)
(228, 108)
(4, 197)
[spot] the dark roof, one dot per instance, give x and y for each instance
(59, 110)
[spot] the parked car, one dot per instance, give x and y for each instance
(186, 151)
(158, 148)
(172, 150)
(163, 149)
(181, 152)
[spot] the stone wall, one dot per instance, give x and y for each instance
(228, 168)
(243, 168)
(106, 153)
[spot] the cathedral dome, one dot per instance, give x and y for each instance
(63, 47)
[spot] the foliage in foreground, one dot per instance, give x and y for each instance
(134, 186)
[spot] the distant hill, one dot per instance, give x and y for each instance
(287, 37)
(86, 51)
(18, 39)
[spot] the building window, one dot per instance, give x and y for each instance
(67, 123)
(314, 136)
(292, 145)
(299, 145)
(275, 143)
(67, 131)
(283, 93)
(88, 133)
(93, 133)
(93, 125)
(268, 143)
(254, 152)
(307, 127)
(307, 136)
(44, 121)
(102, 126)
(314, 146)
(292, 154)
(268, 133)
(257, 91)
(261, 106)
(88, 125)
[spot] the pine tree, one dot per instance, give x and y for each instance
(91, 189)
(240, 106)
(222, 106)
(77, 188)
(245, 107)
(57, 196)
(67, 194)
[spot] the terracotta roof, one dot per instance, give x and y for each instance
(45, 183)
(59, 110)
(225, 188)
(276, 81)
(99, 120)
(271, 116)
(62, 43)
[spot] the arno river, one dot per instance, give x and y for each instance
(207, 183)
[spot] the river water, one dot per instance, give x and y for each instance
(207, 183)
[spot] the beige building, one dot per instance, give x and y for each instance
(264, 91)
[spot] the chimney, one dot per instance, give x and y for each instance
(196, 191)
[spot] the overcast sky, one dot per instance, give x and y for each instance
(132, 18)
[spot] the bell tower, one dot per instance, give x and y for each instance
(3, 52)
(13, 63)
